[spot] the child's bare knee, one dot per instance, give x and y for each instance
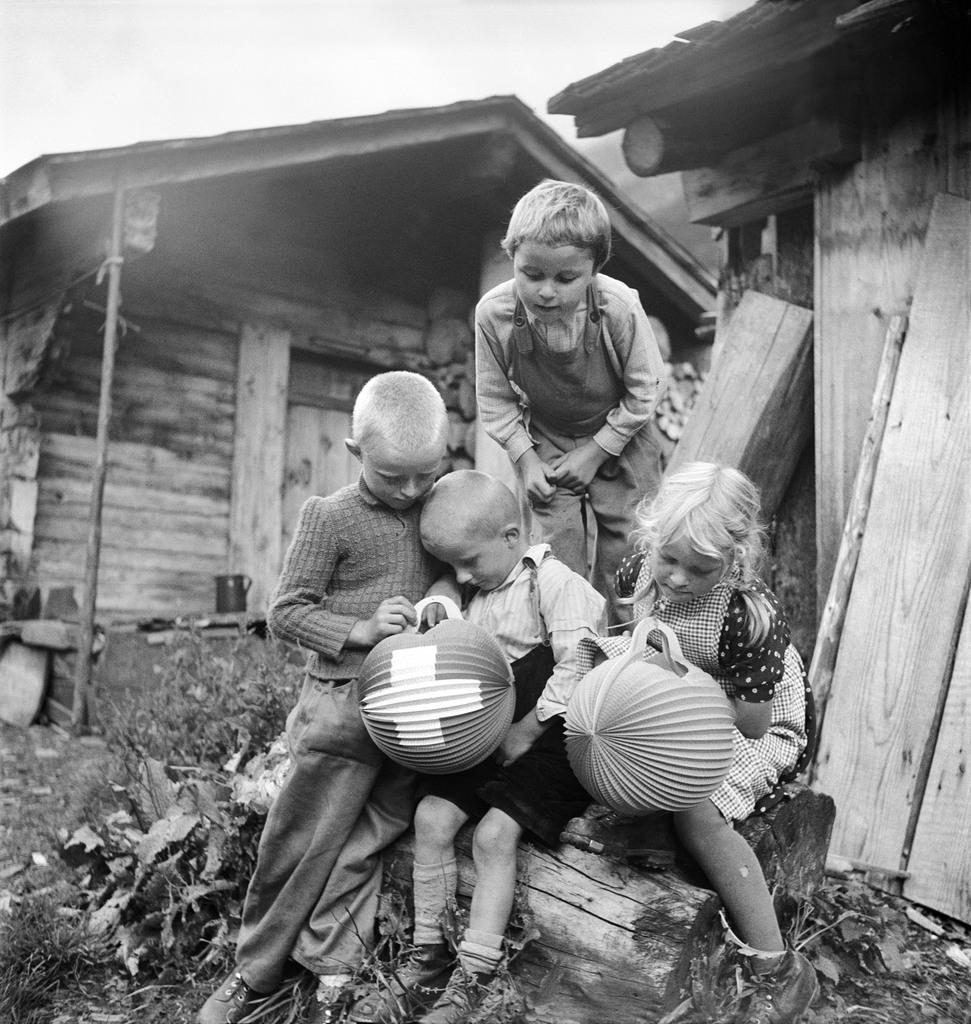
(495, 835)
(436, 822)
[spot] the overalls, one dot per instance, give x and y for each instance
(570, 394)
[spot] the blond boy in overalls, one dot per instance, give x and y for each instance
(568, 374)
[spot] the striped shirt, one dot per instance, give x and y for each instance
(542, 600)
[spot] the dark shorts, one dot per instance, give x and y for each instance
(539, 790)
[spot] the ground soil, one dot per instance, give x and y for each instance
(914, 970)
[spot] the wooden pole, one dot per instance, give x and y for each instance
(834, 613)
(82, 668)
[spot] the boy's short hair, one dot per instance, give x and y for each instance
(470, 503)
(560, 213)
(399, 408)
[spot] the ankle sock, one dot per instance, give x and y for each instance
(434, 886)
(329, 986)
(480, 952)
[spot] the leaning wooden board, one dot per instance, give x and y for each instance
(23, 679)
(755, 411)
(892, 687)
(940, 856)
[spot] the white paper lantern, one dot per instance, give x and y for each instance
(441, 701)
(649, 735)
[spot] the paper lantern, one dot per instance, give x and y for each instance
(649, 735)
(440, 701)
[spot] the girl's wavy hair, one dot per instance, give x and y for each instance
(717, 509)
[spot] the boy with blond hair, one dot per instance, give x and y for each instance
(351, 576)
(538, 610)
(568, 374)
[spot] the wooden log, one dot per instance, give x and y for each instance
(50, 633)
(28, 341)
(615, 939)
(446, 340)
(834, 613)
(449, 302)
(138, 465)
(457, 428)
(465, 398)
(23, 679)
(755, 410)
(650, 148)
(611, 936)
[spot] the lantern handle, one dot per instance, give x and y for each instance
(670, 646)
(452, 610)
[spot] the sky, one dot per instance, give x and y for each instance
(88, 74)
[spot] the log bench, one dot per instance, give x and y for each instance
(615, 924)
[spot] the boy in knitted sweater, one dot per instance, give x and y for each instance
(350, 577)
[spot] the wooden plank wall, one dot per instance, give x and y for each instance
(871, 219)
(892, 686)
(170, 455)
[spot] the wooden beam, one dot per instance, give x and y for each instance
(256, 503)
(27, 342)
(82, 673)
(755, 410)
(772, 175)
(650, 147)
(940, 866)
(834, 613)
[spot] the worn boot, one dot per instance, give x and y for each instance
(232, 1002)
(463, 994)
(783, 994)
(413, 987)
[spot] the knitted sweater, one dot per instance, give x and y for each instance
(349, 552)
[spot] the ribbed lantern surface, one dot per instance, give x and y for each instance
(649, 735)
(437, 702)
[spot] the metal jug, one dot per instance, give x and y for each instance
(231, 592)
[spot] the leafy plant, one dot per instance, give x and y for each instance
(165, 873)
(207, 704)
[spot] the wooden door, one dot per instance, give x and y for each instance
(322, 394)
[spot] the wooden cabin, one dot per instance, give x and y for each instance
(265, 276)
(829, 142)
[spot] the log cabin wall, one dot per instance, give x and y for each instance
(871, 219)
(167, 491)
(206, 471)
